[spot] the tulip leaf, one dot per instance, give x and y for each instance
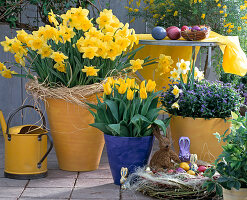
(101, 126)
(114, 128)
(113, 107)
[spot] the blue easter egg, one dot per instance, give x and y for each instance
(204, 29)
(158, 33)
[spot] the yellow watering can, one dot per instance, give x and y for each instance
(25, 148)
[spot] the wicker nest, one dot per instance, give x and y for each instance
(197, 35)
(169, 186)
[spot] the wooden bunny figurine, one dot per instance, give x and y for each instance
(162, 158)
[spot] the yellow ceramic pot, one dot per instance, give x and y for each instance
(200, 132)
(78, 146)
(234, 194)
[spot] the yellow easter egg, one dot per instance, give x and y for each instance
(191, 172)
(185, 166)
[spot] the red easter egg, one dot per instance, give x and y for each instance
(170, 28)
(184, 28)
(174, 33)
(201, 168)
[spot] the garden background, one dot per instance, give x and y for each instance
(13, 93)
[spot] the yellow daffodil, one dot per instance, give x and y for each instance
(225, 15)
(7, 44)
(183, 66)
(90, 52)
(165, 60)
(104, 18)
(35, 43)
(229, 30)
(224, 7)
(175, 105)
(7, 73)
(19, 59)
(107, 88)
(219, 5)
(242, 7)
(93, 32)
(22, 36)
(221, 11)
(90, 71)
(136, 64)
(165, 69)
(203, 16)
(175, 13)
(52, 18)
(45, 51)
(1, 66)
(60, 67)
(239, 28)
(58, 57)
(175, 75)
(122, 42)
(113, 50)
(176, 91)
(122, 88)
(150, 86)
(130, 94)
(143, 93)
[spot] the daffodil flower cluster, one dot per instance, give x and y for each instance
(127, 108)
(74, 51)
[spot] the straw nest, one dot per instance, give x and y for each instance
(168, 186)
(78, 94)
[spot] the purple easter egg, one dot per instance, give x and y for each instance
(195, 28)
(158, 33)
(180, 170)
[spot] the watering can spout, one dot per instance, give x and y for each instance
(3, 123)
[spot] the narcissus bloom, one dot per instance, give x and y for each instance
(7, 73)
(90, 71)
(176, 91)
(90, 52)
(175, 74)
(175, 105)
(60, 67)
(136, 64)
(150, 86)
(183, 66)
(58, 57)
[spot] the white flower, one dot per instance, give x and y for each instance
(176, 91)
(175, 105)
(183, 66)
(198, 74)
(175, 74)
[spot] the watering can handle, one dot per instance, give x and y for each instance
(49, 150)
(17, 110)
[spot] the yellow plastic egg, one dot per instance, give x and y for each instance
(191, 172)
(185, 166)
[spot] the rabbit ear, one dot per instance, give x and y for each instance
(156, 132)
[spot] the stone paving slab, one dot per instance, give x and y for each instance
(47, 193)
(13, 192)
(57, 173)
(5, 182)
(90, 183)
(100, 173)
(103, 191)
(51, 182)
(127, 195)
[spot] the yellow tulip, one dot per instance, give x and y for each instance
(122, 89)
(142, 85)
(130, 82)
(107, 88)
(110, 80)
(151, 86)
(143, 93)
(130, 94)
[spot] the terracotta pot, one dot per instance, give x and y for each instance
(234, 194)
(200, 133)
(78, 146)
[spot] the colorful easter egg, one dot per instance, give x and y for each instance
(202, 168)
(174, 33)
(159, 33)
(191, 172)
(185, 166)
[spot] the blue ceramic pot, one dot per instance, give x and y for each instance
(130, 152)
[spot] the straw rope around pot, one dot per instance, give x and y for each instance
(78, 94)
